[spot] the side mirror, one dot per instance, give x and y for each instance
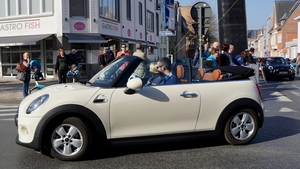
(133, 85)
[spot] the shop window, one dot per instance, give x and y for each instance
(16, 57)
(79, 8)
(109, 9)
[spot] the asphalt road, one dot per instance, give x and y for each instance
(275, 146)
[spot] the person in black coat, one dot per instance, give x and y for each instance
(61, 67)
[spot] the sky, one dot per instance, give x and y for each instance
(257, 11)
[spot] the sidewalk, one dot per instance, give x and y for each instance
(11, 88)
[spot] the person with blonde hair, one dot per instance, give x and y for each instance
(26, 62)
(155, 78)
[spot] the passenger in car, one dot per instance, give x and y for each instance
(164, 66)
(155, 78)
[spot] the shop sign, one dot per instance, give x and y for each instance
(16, 26)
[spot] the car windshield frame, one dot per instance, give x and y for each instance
(113, 73)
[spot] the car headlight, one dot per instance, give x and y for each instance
(291, 67)
(270, 67)
(37, 103)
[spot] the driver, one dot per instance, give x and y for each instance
(164, 66)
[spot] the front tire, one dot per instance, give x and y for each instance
(70, 140)
(292, 77)
(241, 127)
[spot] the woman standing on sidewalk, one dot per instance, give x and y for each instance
(26, 62)
(61, 67)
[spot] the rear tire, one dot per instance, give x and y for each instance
(241, 127)
(70, 140)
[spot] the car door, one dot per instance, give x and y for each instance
(154, 110)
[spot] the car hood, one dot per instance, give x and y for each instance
(73, 93)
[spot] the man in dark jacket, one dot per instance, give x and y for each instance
(106, 57)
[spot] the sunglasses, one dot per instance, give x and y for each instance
(123, 47)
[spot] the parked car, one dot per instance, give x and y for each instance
(67, 120)
(277, 67)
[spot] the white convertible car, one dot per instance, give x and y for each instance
(67, 120)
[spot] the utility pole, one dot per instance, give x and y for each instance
(201, 13)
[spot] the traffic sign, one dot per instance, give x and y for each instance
(167, 33)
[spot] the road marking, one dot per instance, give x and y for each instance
(7, 119)
(285, 109)
(8, 114)
(296, 86)
(280, 97)
(296, 93)
(8, 110)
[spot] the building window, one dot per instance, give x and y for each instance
(23, 7)
(128, 9)
(2, 8)
(12, 10)
(157, 24)
(109, 9)
(47, 6)
(140, 13)
(79, 8)
(150, 21)
(34, 6)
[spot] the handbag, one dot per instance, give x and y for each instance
(21, 67)
(21, 76)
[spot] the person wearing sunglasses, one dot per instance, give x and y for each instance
(164, 66)
(123, 51)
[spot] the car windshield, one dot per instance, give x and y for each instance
(275, 61)
(110, 73)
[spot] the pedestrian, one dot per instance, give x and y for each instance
(240, 58)
(224, 57)
(249, 58)
(233, 62)
(123, 51)
(74, 57)
(105, 58)
(26, 63)
(206, 52)
(61, 67)
(217, 46)
(213, 57)
(142, 69)
(298, 63)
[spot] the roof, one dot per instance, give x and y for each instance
(186, 14)
(281, 8)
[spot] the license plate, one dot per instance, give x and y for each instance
(283, 72)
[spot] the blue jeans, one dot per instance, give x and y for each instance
(26, 84)
(25, 88)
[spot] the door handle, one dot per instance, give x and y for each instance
(189, 95)
(100, 101)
